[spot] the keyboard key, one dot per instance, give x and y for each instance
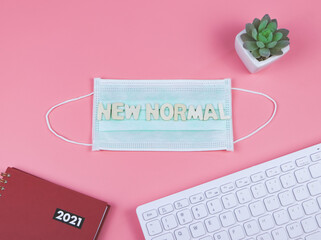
(314, 188)
(286, 198)
(184, 217)
(300, 193)
(316, 156)
(302, 161)
(181, 203)
(214, 206)
(197, 229)
(237, 233)
(212, 224)
(167, 236)
(257, 208)
(199, 211)
(314, 236)
(258, 190)
(288, 180)
(229, 201)
(302, 175)
(223, 235)
(166, 209)
(294, 230)
(227, 219)
(315, 170)
(271, 203)
(154, 227)
(244, 196)
(251, 228)
(310, 206)
(281, 217)
(227, 187)
(242, 182)
(287, 166)
(212, 193)
(279, 234)
(271, 172)
(197, 198)
(257, 177)
(295, 212)
(309, 225)
(169, 222)
(182, 234)
(150, 215)
(273, 185)
(264, 236)
(242, 213)
(266, 222)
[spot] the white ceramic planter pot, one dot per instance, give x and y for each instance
(251, 63)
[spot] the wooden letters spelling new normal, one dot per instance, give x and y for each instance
(167, 111)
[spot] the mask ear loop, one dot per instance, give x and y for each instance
(59, 104)
(268, 121)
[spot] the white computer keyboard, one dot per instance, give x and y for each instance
(276, 200)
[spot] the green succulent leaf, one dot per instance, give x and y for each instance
(260, 44)
(270, 37)
(276, 22)
(263, 25)
(284, 31)
(276, 51)
(250, 45)
(285, 38)
(266, 17)
(277, 36)
(262, 38)
(254, 33)
(282, 44)
(264, 52)
(272, 26)
(256, 53)
(246, 37)
(267, 34)
(249, 28)
(271, 44)
(256, 23)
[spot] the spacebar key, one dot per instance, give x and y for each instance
(315, 236)
(167, 236)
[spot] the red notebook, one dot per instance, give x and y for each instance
(34, 209)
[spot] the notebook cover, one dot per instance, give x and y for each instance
(34, 209)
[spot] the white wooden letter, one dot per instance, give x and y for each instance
(170, 109)
(195, 113)
(132, 110)
(102, 111)
(222, 114)
(179, 109)
(154, 112)
(210, 112)
(115, 110)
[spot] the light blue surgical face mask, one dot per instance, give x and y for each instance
(162, 115)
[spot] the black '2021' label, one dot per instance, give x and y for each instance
(68, 218)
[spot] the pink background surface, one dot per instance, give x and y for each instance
(50, 51)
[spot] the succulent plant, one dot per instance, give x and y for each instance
(263, 39)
